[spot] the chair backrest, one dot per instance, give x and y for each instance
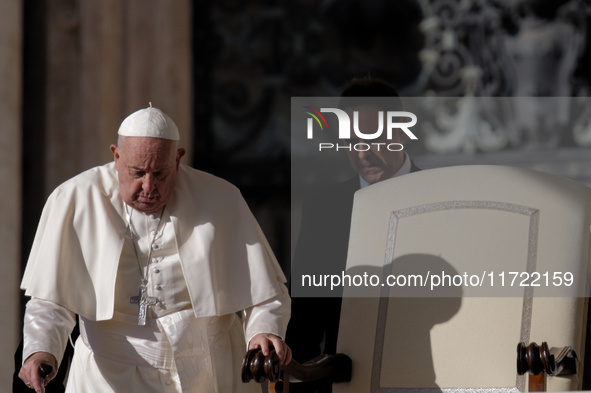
(450, 268)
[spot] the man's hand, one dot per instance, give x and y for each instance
(29, 373)
(264, 340)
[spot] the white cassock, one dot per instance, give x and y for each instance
(208, 261)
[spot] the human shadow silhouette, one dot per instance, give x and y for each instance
(407, 312)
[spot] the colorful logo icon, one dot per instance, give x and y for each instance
(317, 116)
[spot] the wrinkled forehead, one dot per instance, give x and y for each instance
(141, 150)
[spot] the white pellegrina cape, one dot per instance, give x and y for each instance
(227, 263)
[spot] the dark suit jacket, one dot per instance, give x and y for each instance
(321, 249)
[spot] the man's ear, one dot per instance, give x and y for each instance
(400, 136)
(115, 151)
(179, 154)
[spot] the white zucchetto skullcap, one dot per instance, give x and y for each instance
(149, 122)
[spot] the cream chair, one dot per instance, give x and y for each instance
(497, 229)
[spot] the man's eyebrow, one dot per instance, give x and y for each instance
(139, 169)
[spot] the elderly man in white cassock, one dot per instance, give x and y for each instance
(166, 268)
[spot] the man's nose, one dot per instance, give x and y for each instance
(148, 183)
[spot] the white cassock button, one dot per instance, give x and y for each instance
(158, 287)
(155, 246)
(156, 271)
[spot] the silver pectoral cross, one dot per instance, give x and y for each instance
(143, 301)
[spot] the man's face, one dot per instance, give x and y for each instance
(378, 163)
(147, 170)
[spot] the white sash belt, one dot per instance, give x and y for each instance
(190, 344)
(176, 342)
(121, 339)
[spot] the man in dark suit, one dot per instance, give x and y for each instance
(324, 232)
